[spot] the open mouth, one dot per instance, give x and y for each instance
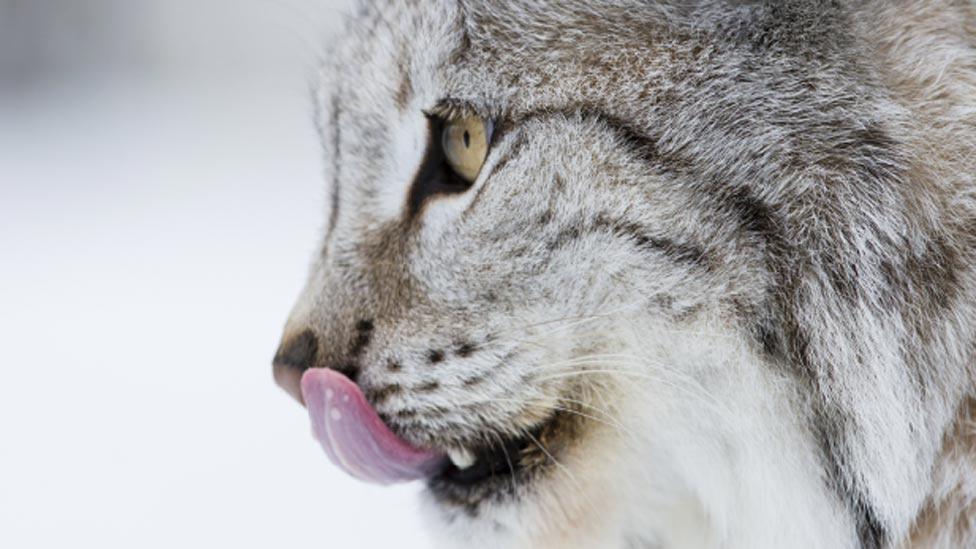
(359, 442)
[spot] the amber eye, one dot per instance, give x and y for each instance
(465, 144)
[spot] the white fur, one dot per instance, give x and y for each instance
(859, 163)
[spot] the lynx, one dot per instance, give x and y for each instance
(627, 274)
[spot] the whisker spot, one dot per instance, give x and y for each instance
(465, 350)
(428, 387)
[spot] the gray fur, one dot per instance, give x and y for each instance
(796, 177)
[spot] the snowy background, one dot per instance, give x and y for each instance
(160, 200)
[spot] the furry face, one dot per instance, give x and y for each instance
(706, 280)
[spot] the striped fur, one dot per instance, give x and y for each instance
(733, 240)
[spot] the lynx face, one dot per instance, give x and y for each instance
(623, 274)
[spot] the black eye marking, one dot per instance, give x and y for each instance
(435, 176)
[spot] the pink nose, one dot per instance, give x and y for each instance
(295, 355)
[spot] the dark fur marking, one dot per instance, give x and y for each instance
(869, 153)
(464, 43)
(360, 343)
(380, 395)
(778, 326)
(518, 251)
(677, 252)
(783, 338)
(428, 387)
(405, 90)
(842, 275)
(465, 349)
(831, 426)
(403, 93)
(930, 280)
(768, 338)
(779, 332)
(349, 369)
(564, 237)
(643, 146)
(870, 531)
(413, 418)
(559, 184)
(407, 414)
(394, 366)
(435, 356)
(757, 218)
(364, 326)
(831, 436)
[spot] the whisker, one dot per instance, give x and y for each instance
(570, 321)
(562, 468)
(691, 389)
(508, 460)
(611, 420)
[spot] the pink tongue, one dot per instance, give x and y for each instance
(354, 436)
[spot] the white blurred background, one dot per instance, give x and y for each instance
(159, 202)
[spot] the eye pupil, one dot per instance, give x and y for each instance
(464, 144)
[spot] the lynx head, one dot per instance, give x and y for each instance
(577, 263)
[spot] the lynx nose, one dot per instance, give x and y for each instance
(295, 355)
